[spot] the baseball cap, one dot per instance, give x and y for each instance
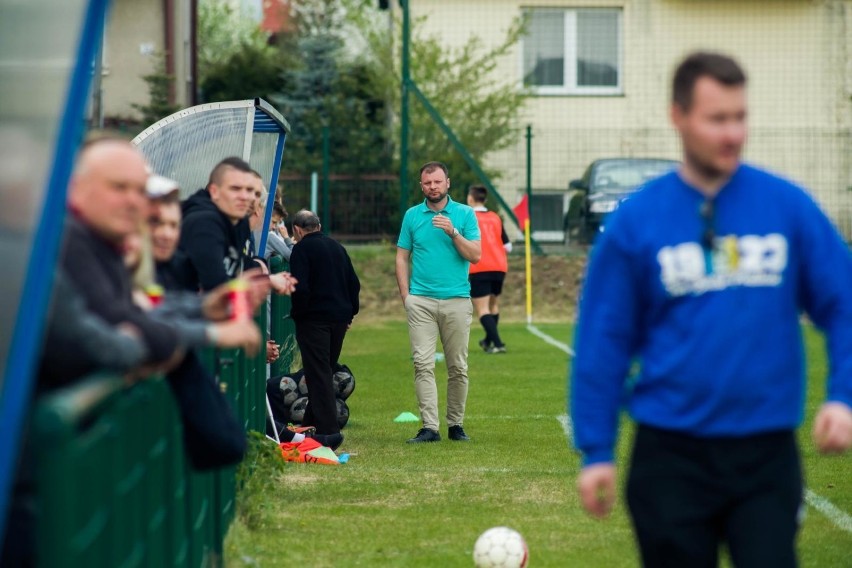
(159, 186)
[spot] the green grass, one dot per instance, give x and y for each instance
(395, 504)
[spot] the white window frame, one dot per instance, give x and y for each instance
(569, 72)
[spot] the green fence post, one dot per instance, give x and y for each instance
(282, 326)
(404, 110)
(529, 170)
(326, 166)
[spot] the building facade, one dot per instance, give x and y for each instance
(599, 77)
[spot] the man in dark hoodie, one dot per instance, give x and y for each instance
(215, 228)
(324, 303)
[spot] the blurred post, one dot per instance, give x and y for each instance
(528, 266)
(529, 164)
(326, 214)
(403, 111)
(314, 191)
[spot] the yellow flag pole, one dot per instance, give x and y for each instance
(528, 269)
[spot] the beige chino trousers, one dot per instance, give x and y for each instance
(429, 318)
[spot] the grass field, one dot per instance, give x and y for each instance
(395, 504)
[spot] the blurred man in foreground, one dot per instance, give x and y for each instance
(702, 276)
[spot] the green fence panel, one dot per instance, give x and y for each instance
(114, 486)
(103, 474)
(201, 517)
(259, 373)
(281, 325)
(74, 519)
(177, 492)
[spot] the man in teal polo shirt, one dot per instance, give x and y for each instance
(437, 242)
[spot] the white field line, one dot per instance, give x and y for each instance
(547, 339)
(839, 518)
(567, 427)
(563, 419)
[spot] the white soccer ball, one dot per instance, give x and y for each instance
(289, 390)
(500, 547)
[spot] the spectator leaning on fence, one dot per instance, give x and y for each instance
(702, 276)
(215, 229)
(107, 203)
(164, 221)
(200, 319)
(255, 217)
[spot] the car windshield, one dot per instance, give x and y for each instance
(621, 176)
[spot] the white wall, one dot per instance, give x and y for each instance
(796, 53)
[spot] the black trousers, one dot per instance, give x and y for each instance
(320, 344)
(688, 495)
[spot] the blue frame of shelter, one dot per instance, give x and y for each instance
(19, 375)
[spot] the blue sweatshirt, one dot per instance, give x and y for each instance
(716, 330)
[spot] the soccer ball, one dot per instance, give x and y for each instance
(342, 412)
(500, 547)
(297, 409)
(289, 390)
(344, 383)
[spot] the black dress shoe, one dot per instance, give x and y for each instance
(425, 435)
(333, 441)
(457, 433)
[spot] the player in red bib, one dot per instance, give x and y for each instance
(487, 276)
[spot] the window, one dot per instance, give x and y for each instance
(572, 51)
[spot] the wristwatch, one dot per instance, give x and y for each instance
(455, 233)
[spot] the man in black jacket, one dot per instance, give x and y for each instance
(324, 303)
(107, 203)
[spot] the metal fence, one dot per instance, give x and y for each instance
(362, 208)
(818, 159)
(598, 77)
(366, 208)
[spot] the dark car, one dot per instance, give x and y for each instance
(605, 184)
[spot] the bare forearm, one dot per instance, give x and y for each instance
(402, 274)
(470, 250)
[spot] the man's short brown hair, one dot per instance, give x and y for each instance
(718, 67)
(432, 166)
(232, 162)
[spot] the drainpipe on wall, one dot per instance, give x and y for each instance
(193, 52)
(169, 44)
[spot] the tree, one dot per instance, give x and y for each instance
(159, 83)
(251, 71)
(222, 32)
(329, 86)
(235, 58)
(481, 109)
